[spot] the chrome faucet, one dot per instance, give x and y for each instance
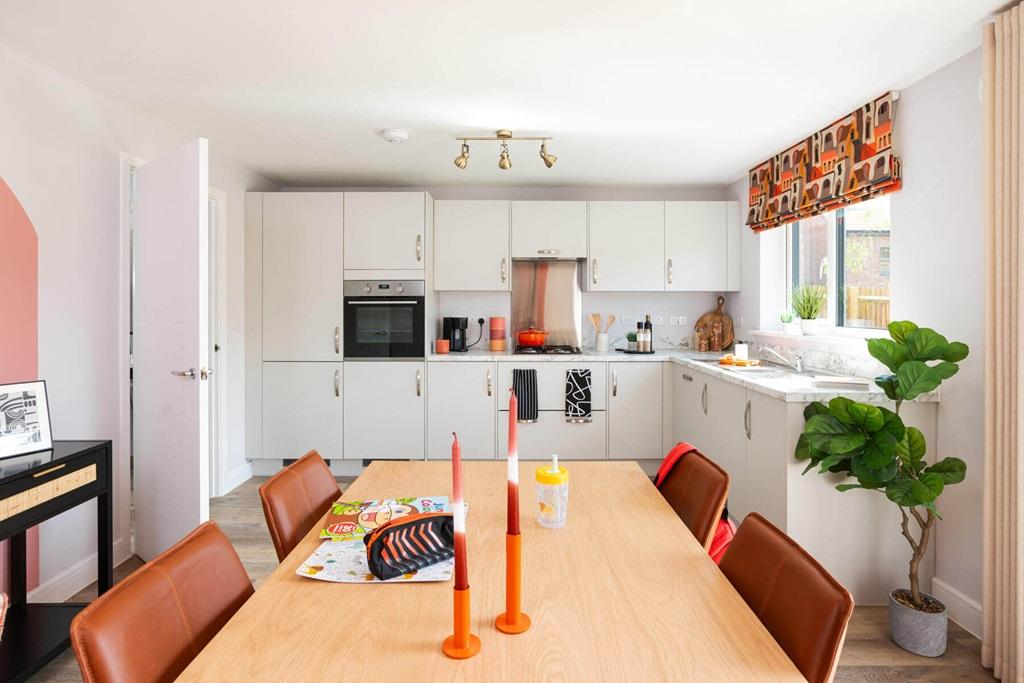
(798, 365)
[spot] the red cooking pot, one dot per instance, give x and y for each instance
(531, 337)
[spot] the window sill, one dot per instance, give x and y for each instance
(846, 341)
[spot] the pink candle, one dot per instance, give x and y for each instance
(459, 517)
(513, 465)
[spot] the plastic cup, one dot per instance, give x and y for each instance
(552, 496)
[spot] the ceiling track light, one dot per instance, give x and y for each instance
(504, 136)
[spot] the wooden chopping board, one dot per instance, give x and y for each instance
(715, 324)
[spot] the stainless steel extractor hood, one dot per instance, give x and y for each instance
(546, 294)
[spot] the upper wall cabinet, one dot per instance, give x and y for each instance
(385, 230)
(627, 247)
(302, 276)
(549, 229)
(700, 246)
(471, 245)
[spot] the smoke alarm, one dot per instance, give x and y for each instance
(395, 135)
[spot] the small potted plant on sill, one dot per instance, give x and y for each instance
(789, 325)
(631, 341)
(872, 445)
(808, 302)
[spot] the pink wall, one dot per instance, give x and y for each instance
(19, 343)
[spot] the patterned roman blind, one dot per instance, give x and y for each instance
(847, 161)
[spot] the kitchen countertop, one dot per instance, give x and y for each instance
(790, 386)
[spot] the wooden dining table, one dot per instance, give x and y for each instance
(623, 592)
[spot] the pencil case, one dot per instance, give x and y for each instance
(408, 544)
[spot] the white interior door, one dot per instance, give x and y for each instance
(170, 348)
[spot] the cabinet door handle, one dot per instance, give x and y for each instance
(419, 382)
(419, 247)
(593, 270)
(549, 252)
(615, 383)
(688, 378)
(504, 270)
(337, 383)
(670, 271)
(337, 339)
(746, 420)
(490, 384)
(704, 398)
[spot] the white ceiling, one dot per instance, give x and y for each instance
(635, 93)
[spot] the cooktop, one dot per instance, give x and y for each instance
(564, 349)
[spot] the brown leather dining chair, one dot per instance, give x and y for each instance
(295, 498)
(804, 608)
(697, 488)
(148, 627)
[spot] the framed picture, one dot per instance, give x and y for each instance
(24, 419)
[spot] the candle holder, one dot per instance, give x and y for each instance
(462, 644)
(513, 620)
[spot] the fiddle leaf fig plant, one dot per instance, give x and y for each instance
(871, 445)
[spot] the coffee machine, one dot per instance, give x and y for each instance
(454, 330)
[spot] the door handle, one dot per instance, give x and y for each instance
(615, 383)
(746, 420)
(337, 383)
(204, 373)
(190, 373)
(704, 398)
(688, 378)
(504, 270)
(670, 271)
(593, 270)
(419, 382)
(419, 247)
(337, 339)
(549, 252)
(490, 384)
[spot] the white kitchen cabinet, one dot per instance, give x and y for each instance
(733, 233)
(767, 457)
(725, 438)
(462, 399)
(385, 230)
(552, 434)
(471, 245)
(686, 387)
(696, 246)
(627, 247)
(634, 411)
(556, 229)
(302, 276)
(551, 382)
(385, 410)
(302, 410)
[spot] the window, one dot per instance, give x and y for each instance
(857, 237)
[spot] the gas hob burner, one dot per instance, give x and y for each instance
(563, 349)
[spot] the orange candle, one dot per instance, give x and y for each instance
(513, 465)
(459, 517)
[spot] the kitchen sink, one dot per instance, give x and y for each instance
(762, 371)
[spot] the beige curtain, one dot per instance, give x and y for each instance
(1003, 636)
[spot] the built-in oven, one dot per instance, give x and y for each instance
(384, 319)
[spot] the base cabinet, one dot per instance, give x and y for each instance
(634, 411)
(552, 434)
(385, 410)
(302, 410)
(463, 400)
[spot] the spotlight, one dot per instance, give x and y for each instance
(504, 162)
(463, 158)
(549, 159)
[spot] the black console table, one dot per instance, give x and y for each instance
(34, 488)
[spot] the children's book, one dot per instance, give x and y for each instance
(341, 558)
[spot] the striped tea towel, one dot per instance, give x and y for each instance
(524, 383)
(577, 393)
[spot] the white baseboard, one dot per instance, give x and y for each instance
(76, 577)
(962, 609)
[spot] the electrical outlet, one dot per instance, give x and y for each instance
(682, 320)
(657, 319)
(741, 322)
(673, 320)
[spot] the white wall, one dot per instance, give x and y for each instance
(59, 152)
(937, 281)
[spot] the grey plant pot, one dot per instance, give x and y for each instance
(922, 633)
